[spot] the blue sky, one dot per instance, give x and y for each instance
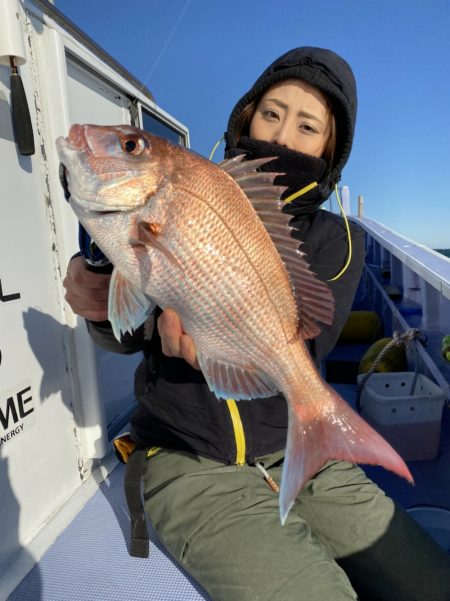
(198, 57)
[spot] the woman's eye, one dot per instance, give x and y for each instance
(269, 114)
(133, 146)
(307, 128)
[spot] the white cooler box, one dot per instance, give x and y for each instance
(410, 423)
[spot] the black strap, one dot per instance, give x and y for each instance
(139, 542)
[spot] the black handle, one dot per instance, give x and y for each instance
(105, 268)
(93, 255)
(23, 130)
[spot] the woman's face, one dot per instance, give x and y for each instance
(293, 114)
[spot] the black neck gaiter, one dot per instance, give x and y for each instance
(298, 171)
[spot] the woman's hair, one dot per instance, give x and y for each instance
(242, 127)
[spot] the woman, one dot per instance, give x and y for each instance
(206, 488)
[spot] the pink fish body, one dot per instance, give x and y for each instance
(211, 243)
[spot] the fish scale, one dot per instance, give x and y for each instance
(182, 233)
(245, 235)
(203, 276)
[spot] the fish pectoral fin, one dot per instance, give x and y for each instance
(319, 434)
(149, 234)
(239, 382)
(128, 306)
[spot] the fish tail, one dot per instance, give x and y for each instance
(318, 433)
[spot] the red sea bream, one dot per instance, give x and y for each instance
(212, 243)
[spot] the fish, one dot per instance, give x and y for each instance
(211, 242)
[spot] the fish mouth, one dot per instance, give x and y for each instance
(77, 137)
(75, 142)
(63, 180)
(72, 169)
(62, 172)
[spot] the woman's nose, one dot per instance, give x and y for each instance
(282, 136)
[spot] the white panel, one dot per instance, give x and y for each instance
(54, 385)
(38, 447)
(93, 100)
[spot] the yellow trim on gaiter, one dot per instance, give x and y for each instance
(238, 431)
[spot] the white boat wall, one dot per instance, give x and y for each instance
(408, 285)
(61, 400)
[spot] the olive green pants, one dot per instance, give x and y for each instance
(342, 535)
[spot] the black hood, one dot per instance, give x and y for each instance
(332, 75)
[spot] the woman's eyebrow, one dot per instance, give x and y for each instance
(279, 103)
(301, 113)
(309, 116)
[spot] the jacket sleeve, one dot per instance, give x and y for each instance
(327, 253)
(103, 336)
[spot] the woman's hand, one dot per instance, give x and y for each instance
(86, 291)
(87, 295)
(175, 343)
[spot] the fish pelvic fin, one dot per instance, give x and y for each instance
(128, 306)
(317, 434)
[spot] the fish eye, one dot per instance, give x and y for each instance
(134, 146)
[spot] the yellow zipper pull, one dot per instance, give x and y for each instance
(238, 430)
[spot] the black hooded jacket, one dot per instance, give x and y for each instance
(176, 408)
(333, 76)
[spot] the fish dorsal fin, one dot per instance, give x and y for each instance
(255, 184)
(241, 383)
(314, 298)
(128, 306)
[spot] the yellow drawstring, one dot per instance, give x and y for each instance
(216, 146)
(349, 236)
(347, 227)
(302, 191)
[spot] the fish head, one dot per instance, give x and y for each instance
(113, 176)
(111, 168)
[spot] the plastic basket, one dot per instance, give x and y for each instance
(411, 423)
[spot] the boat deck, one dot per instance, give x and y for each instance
(89, 560)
